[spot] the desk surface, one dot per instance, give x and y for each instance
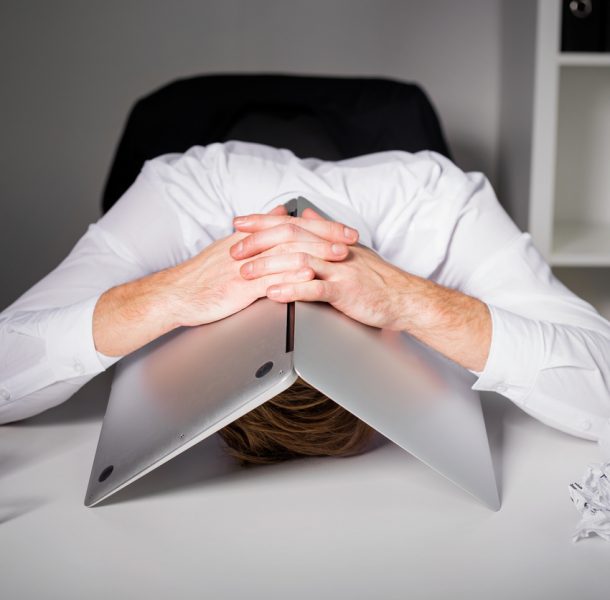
(380, 525)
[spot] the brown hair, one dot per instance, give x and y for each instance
(300, 421)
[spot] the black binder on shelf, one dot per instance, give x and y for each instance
(585, 26)
(606, 22)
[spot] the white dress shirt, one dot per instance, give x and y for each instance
(550, 350)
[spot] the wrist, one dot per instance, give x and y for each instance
(415, 304)
(160, 301)
(457, 325)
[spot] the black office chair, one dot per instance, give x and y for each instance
(327, 117)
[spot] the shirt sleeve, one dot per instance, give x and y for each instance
(549, 350)
(175, 207)
(46, 341)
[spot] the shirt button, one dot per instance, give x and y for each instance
(78, 366)
(5, 394)
(501, 388)
(584, 424)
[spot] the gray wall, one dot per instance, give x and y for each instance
(70, 70)
(518, 41)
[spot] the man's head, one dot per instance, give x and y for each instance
(298, 422)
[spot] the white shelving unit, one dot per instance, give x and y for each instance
(569, 199)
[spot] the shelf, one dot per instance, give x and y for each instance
(581, 244)
(584, 59)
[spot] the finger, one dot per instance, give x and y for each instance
(265, 239)
(329, 230)
(315, 259)
(310, 213)
(325, 250)
(285, 278)
(280, 209)
(315, 290)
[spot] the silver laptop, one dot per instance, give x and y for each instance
(187, 385)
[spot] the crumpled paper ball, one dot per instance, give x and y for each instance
(591, 497)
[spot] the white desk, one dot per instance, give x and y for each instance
(377, 526)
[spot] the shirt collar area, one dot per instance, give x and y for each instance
(335, 209)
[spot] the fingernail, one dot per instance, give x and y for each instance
(273, 292)
(338, 248)
(240, 220)
(303, 273)
(239, 248)
(248, 268)
(350, 234)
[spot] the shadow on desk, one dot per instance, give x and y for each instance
(501, 415)
(496, 411)
(14, 508)
(49, 433)
(208, 464)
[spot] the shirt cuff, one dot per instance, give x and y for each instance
(69, 341)
(107, 361)
(515, 355)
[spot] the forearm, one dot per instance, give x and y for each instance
(202, 289)
(129, 316)
(455, 324)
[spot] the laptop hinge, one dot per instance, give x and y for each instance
(290, 310)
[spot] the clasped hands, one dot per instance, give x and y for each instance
(298, 258)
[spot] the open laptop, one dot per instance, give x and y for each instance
(187, 385)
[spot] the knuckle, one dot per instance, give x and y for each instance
(249, 243)
(291, 229)
(318, 289)
(302, 259)
(328, 250)
(246, 269)
(337, 229)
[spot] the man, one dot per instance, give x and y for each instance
(417, 245)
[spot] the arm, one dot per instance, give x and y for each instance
(550, 349)
(200, 290)
(122, 286)
(528, 337)
(47, 349)
(176, 207)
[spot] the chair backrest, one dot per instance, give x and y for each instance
(327, 117)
